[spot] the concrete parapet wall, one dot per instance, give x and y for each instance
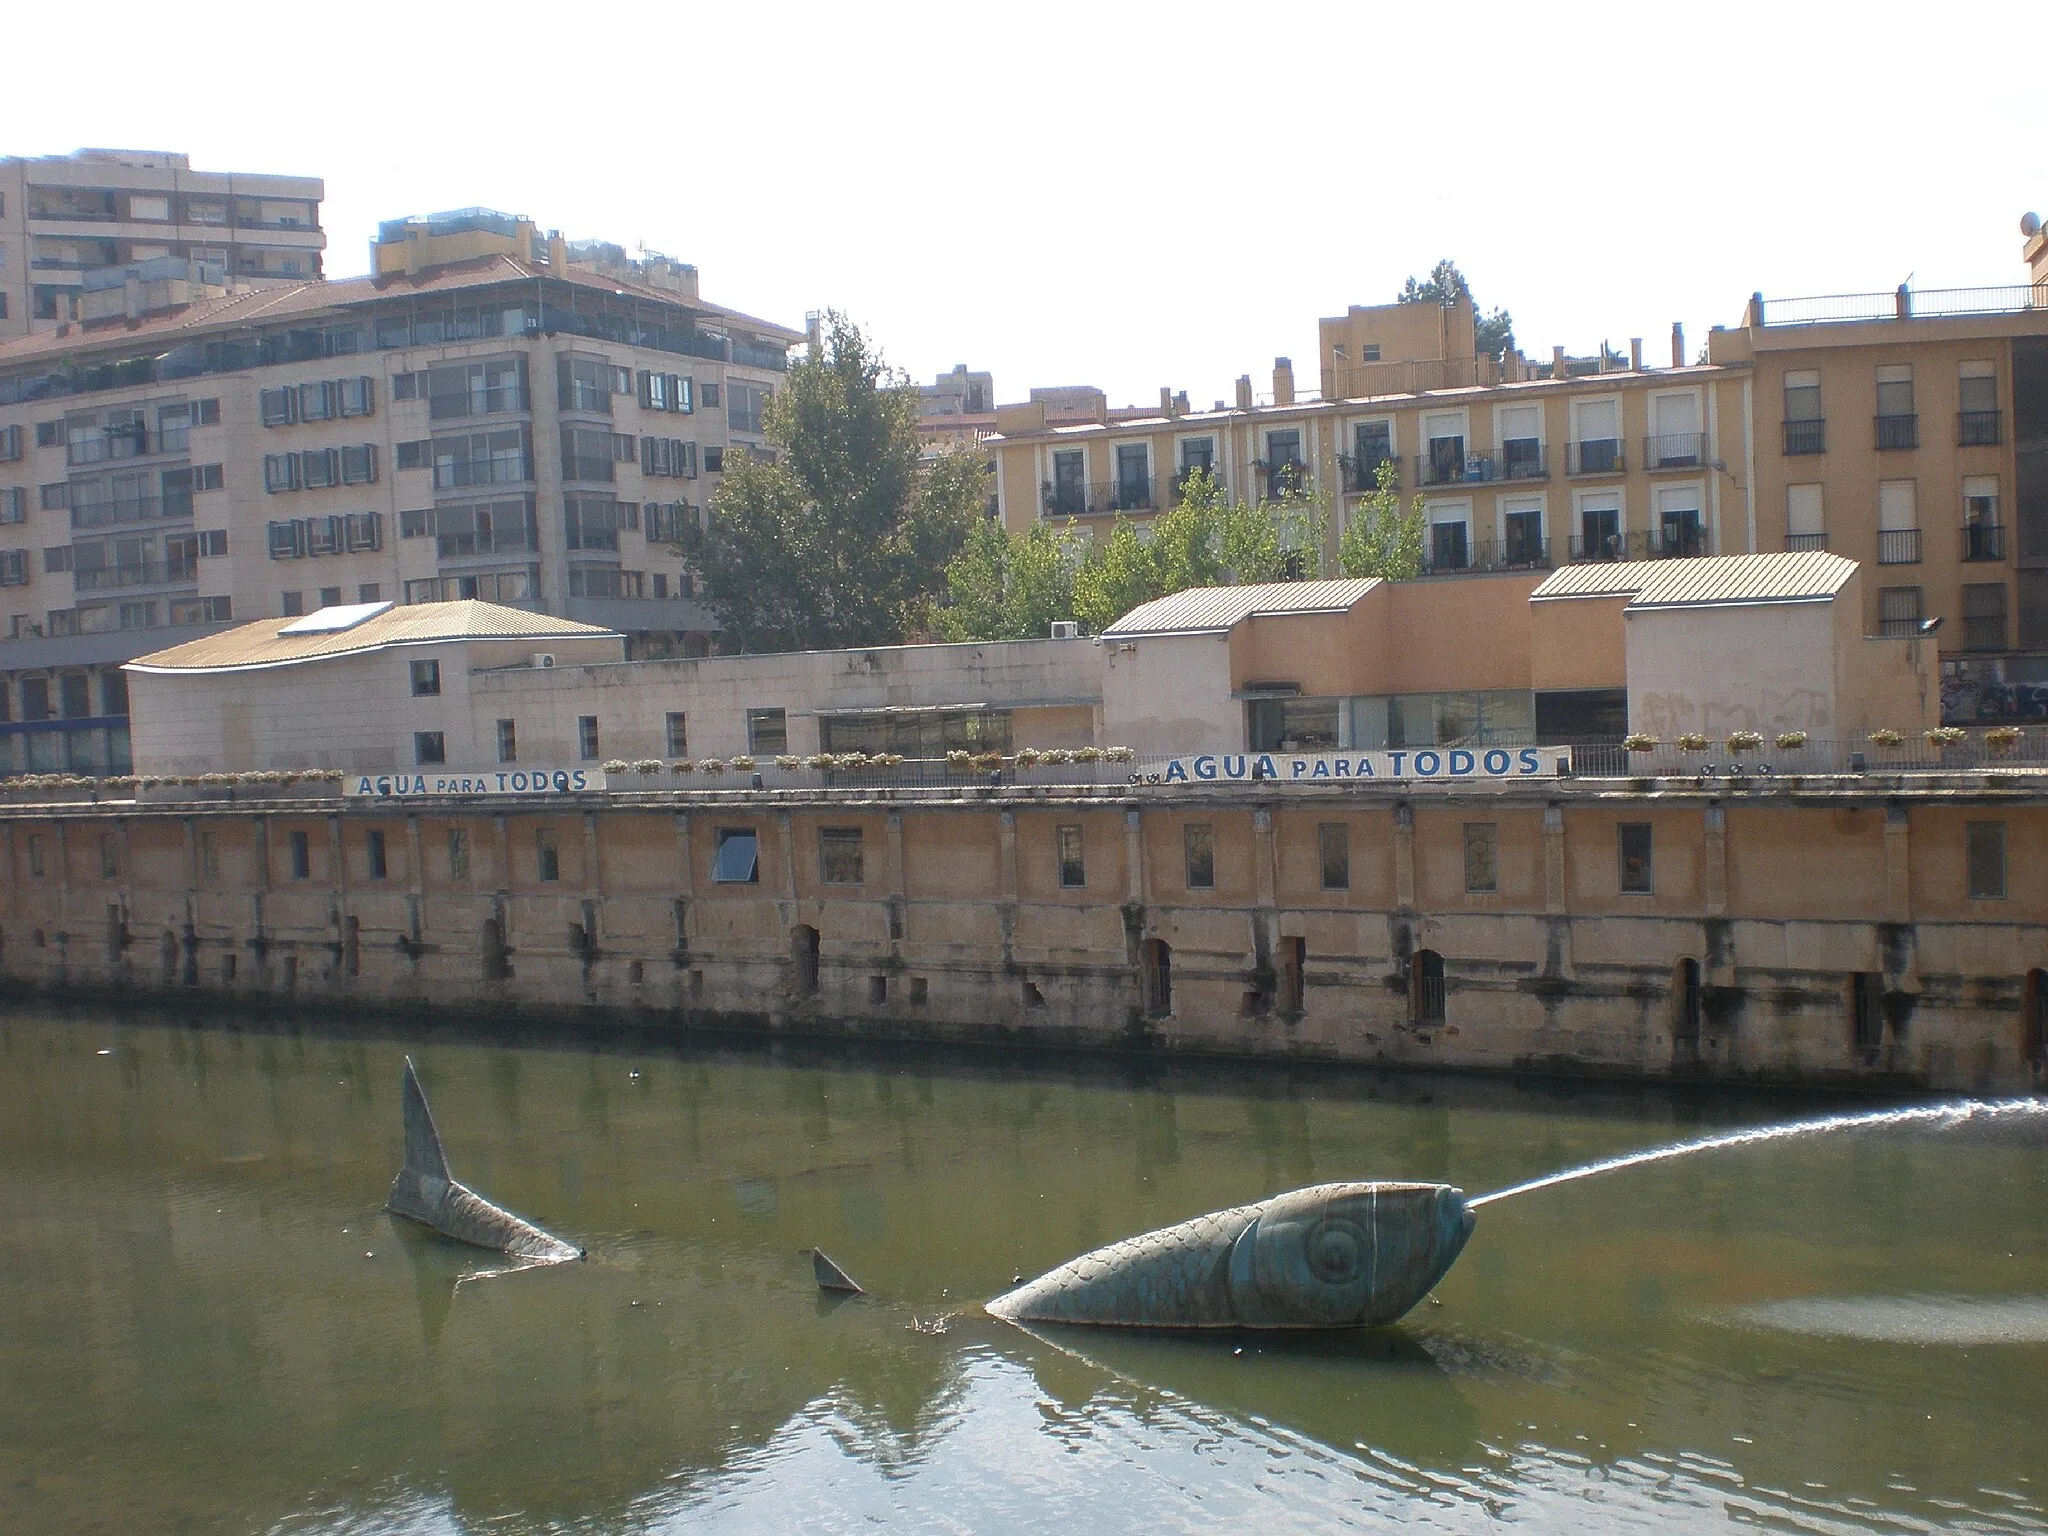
(1826, 938)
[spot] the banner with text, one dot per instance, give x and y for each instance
(493, 782)
(1366, 767)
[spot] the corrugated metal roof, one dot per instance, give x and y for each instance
(1216, 610)
(1804, 576)
(260, 644)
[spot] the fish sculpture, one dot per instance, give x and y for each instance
(426, 1192)
(1328, 1256)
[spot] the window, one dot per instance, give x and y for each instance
(291, 604)
(1073, 872)
(1482, 856)
(1866, 1008)
(1897, 425)
(207, 477)
(714, 460)
(1983, 539)
(738, 859)
(508, 742)
(1523, 524)
(1426, 987)
(302, 856)
(14, 570)
(1898, 611)
(1069, 491)
(839, 855)
(57, 558)
(55, 497)
(416, 454)
(35, 856)
(1333, 850)
(1977, 425)
(1634, 837)
(74, 695)
(10, 444)
(708, 390)
(547, 858)
(213, 542)
(586, 736)
(35, 698)
(426, 679)
(767, 732)
(316, 402)
(319, 467)
(665, 391)
(280, 472)
(355, 397)
(1199, 845)
(584, 385)
(1293, 725)
(1373, 442)
(359, 464)
(590, 523)
(374, 847)
(278, 407)
(1898, 523)
(1521, 442)
(458, 853)
(1198, 453)
(429, 747)
(1987, 860)
(678, 734)
(1805, 430)
(13, 505)
(743, 408)
(1984, 616)
(1803, 526)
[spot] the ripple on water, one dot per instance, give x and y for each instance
(1959, 1320)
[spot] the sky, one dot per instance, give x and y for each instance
(1119, 194)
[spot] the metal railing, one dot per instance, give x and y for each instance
(1983, 541)
(1284, 477)
(1900, 431)
(1979, 429)
(107, 514)
(1679, 542)
(453, 405)
(1442, 466)
(1806, 436)
(1362, 475)
(1595, 456)
(452, 474)
(1760, 765)
(1487, 555)
(1675, 450)
(1098, 498)
(1530, 463)
(1898, 546)
(1796, 542)
(1900, 304)
(149, 573)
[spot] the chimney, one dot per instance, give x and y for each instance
(1180, 404)
(1283, 381)
(558, 252)
(1677, 345)
(1244, 391)
(1166, 399)
(1557, 362)
(1635, 354)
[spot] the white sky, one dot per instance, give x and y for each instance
(1112, 193)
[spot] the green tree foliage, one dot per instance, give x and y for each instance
(1007, 586)
(1382, 540)
(844, 539)
(1495, 329)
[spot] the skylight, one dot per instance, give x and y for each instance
(332, 621)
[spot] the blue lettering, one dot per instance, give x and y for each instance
(1321, 769)
(1175, 773)
(1264, 767)
(561, 781)
(1461, 763)
(519, 781)
(1297, 766)
(1343, 767)
(364, 786)
(1234, 767)
(1498, 761)
(581, 779)
(1205, 767)
(1428, 763)
(1397, 756)
(1530, 762)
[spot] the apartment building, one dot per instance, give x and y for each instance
(486, 418)
(63, 217)
(1907, 430)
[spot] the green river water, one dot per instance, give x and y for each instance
(208, 1324)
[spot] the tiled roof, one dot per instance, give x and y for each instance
(1804, 576)
(265, 306)
(260, 644)
(1216, 610)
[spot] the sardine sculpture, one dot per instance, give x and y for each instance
(1329, 1256)
(426, 1192)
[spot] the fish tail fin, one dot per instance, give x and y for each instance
(424, 1156)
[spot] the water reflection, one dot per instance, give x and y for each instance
(210, 1322)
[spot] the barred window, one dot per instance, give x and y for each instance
(1482, 856)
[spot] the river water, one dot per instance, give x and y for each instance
(208, 1324)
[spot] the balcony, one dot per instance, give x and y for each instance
(125, 443)
(109, 514)
(1444, 464)
(1979, 429)
(1674, 542)
(1898, 546)
(1797, 542)
(1283, 477)
(1806, 437)
(455, 404)
(1595, 456)
(1099, 498)
(1362, 474)
(1522, 459)
(452, 474)
(1675, 450)
(1983, 541)
(148, 573)
(1897, 432)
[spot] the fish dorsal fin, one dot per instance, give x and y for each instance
(424, 1156)
(830, 1276)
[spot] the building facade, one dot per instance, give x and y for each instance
(511, 425)
(64, 216)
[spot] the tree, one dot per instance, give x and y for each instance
(1494, 331)
(1120, 575)
(1382, 540)
(843, 538)
(1010, 588)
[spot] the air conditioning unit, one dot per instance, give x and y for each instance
(543, 659)
(1065, 629)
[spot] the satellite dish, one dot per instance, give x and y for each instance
(2030, 224)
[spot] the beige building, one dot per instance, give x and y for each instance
(66, 217)
(490, 418)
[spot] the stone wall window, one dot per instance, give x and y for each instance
(458, 853)
(767, 732)
(426, 679)
(1987, 860)
(678, 734)
(738, 860)
(379, 865)
(1073, 871)
(839, 856)
(1333, 849)
(508, 742)
(586, 737)
(302, 856)
(429, 747)
(1482, 856)
(547, 857)
(1200, 846)
(1634, 839)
